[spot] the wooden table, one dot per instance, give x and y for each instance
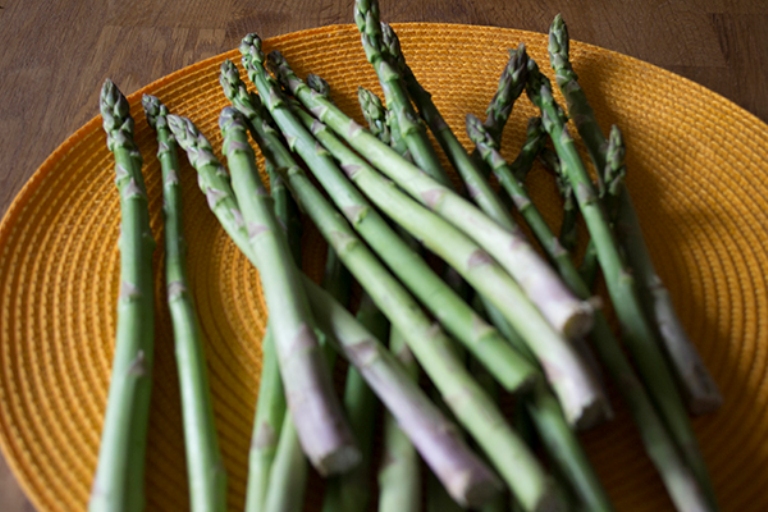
(54, 57)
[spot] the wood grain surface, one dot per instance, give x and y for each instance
(54, 56)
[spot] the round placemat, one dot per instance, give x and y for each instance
(697, 172)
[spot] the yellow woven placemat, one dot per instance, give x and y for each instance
(697, 171)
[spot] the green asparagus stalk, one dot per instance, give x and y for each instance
(567, 314)
(477, 185)
(582, 401)
(267, 427)
(613, 174)
(446, 305)
(327, 441)
(589, 267)
(270, 406)
(568, 231)
(399, 476)
(288, 474)
(316, 412)
(412, 131)
(351, 491)
(699, 388)
(205, 468)
(638, 334)
(373, 112)
(661, 448)
(535, 137)
(511, 86)
(286, 210)
(118, 484)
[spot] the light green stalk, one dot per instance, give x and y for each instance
(270, 406)
(205, 468)
(325, 438)
(267, 427)
(637, 333)
(478, 188)
(567, 314)
(288, 475)
(399, 474)
(316, 412)
(571, 381)
(699, 388)
(351, 492)
(118, 484)
(412, 131)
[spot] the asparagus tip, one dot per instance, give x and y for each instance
(558, 42)
(318, 84)
(154, 110)
(250, 49)
(478, 133)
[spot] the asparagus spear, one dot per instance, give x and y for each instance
(582, 401)
(549, 159)
(373, 112)
(324, 434)
(351, 491)
(399, 476)
(477, 185)
(205, 468)
(270, 406)
(448, 307)
(661, 448)
(699, 388)
(119, 480)
(638, 334)
(511, 86)
(510, 249)
(412, 131)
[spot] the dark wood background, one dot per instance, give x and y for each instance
(54, 56)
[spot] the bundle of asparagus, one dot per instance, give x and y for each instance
(500, 314)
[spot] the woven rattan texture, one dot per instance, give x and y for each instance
(697, 171)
